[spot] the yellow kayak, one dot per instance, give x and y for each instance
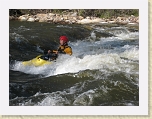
(38, 61)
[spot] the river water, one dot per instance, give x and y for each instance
(103, 70)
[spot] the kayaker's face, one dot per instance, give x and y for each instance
(61, 42)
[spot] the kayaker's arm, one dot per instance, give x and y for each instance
(59, 50)
(56, 52)
(52, 51)
(66, 50)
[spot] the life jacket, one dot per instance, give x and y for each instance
(65, 49)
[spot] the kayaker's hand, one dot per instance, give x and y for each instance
(56, 52)
(49, 51)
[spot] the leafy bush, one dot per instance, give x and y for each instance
(102, 13)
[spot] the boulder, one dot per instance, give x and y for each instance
(23, 18)
(36, 19)
(84, 21)
(97, 20)
(31, 19)
(112, 22)
(51, 14)
(42, 20)
(122, 23)
(41, 16)
(72, 17)
(80, 17)
(65, 17)
(74, 14)
(11, 17)
(87, 17)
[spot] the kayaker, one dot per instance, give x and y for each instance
(63, 48)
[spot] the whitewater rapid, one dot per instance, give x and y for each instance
(103, 69)
(91, 55)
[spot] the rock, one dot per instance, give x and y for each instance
(42, 20)
(132, 16)
(65, 17)
(49, 20)
(72, 17)
(51, 14)
(80, 17)
(36, 19)
(67, 21)
(87, 17)
(122, 23)
(127, 20)
(73, 21)
(137, 21)
(31, 19)
(22, 18)
(57, 15)
(118, 19)
(87, 21)
(74, 14)
(97, 20)
(132, 24)
(62, 18)
(103, 22)
(11, 18)
(84, 21)
(57, 19)
(52, 18)
(40, 16)
(112, 22)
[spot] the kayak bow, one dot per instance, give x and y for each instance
(38, 61)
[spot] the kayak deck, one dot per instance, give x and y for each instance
(36, 62)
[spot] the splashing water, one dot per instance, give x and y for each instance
(101, 71)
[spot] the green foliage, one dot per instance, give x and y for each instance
(135, 12)
(58, 11)
(14, 12)
(102, 13)
(35, 11)
(105, 14)
(81, 12)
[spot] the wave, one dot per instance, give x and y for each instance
(110, 54)
(101, 91)
(109, 62)
(103, 70)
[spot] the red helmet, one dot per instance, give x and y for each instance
(64, 38)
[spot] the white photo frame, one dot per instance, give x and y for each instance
(142, 109)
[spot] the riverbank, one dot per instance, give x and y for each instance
(73, 18)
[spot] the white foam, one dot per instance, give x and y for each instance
(89, 55)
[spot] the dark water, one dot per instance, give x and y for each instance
(103, 70)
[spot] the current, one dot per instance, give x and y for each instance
(103, 70)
